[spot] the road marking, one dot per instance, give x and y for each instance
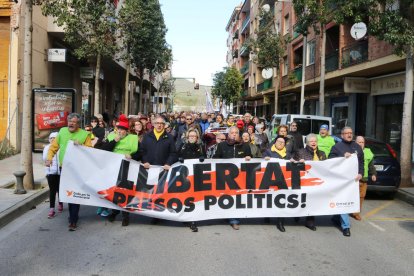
(392, 219)
(376, 226)
(376, 210)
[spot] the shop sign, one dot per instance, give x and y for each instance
(56, 55)
(388, 85)
(86, 73)
(356, 85)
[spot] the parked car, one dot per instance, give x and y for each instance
(387, 165)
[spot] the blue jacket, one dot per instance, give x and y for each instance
(204, 125)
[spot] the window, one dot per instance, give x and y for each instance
(310, 53)
(286, 25)
(285, 66)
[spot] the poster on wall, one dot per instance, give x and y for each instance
(51, 107)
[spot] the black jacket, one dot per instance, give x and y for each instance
(157, 152)
(343, 147)
(225, 150)
(297, 140)
(307, 154)
(273, 154)
(191, 151)
(99, 132)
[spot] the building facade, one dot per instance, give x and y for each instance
(363, 77)
(70, 73)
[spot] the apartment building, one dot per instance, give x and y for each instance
(364, 81)
(69, 73)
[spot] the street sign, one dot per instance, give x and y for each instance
(56, 55)
(86, 73)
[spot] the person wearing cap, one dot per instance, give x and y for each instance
(325, 141)
(53, 178)
(74, 133)
(204, 123)
(240, 126)
(123, 143)
(278, 150)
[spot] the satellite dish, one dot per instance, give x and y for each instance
(267, 73)
(358, 30)
(266, 8)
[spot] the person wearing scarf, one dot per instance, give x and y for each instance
(278, 150)
(256, 153)
(191, 149)
(311, 152)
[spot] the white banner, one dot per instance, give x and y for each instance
(219, 188)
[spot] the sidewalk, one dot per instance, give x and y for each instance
(13, 205)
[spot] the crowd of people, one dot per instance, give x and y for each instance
(163, 139)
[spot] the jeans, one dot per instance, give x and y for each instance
(53, 181)
(234, 221)
(343, 220)
(73, 212)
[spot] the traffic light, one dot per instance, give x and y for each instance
(197, 86)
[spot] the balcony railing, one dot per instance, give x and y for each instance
(245, 23)
(295, 32)
(355, 54)
(332, 61)
(267, 84)
(245, 69)
(296, 75)
(244, 50)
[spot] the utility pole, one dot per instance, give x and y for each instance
(26, 158)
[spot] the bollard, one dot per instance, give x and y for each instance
(19, 182)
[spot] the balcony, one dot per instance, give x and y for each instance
(246, 23)
(245, 69)
(332, 61)
(235, 54)
(244, 50)
(265, 85)
(295, 75)
(236, 35)
(295, 32)
(355, 54)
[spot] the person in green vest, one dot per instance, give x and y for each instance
(369, 170)
(74, 133)
(325, 141)
(123, 143)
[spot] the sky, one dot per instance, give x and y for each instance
(196, 32)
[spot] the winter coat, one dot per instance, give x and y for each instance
(191, 151)
(203, 125)
(225, 150)
(307, 154)
(273, 154)
(157, 152)
(343, 147)
(297, 140)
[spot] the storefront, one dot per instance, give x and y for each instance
(388, 94)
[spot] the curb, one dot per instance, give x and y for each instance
(22, 207)
(405, 196)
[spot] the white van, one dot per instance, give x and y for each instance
(306, 123)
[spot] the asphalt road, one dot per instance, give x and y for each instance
(382, 244)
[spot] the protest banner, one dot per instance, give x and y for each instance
(219, 188)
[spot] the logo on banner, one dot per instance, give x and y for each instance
(77, 195)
